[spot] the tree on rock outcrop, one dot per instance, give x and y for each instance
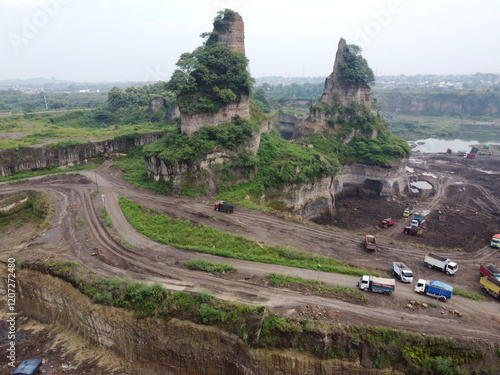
(213, 75)
(355, 68)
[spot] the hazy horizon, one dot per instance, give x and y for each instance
(127, 41)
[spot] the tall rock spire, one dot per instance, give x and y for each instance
(339, 92)
(231, 30)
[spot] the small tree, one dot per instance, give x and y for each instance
(355, 69)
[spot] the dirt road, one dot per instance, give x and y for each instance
(466, 194)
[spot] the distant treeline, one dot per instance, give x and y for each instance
(17, 101)
(484, 100)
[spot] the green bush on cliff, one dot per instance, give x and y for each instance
(355, 69)
(179, 147)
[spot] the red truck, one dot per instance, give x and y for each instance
(387, 223)
(415, 231)
(224, 206)
(489, 271)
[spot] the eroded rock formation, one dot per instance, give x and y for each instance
(337, 93)
(234, 37)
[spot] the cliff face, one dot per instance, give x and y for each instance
(313, 201)
(200, 172)
(12, 160)
(234, 37)
(193, 123)
(441, 104)
(157, 346)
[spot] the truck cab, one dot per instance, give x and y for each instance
(495, 241)
(408, 211)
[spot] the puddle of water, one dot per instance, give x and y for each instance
(487, 172)
(422, 185)
(429, 174)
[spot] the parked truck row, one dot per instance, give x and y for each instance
(489, 271)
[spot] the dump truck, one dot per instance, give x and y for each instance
(408, 211)
(418, 217)
(389, 222)
(491, 285)
(436, 289)
(415, 231)
(443, 264)
(489, 271)
(370, 243)
(29, 367)
(495, 241)
(402, 271)
(376, 284)
(224, 206)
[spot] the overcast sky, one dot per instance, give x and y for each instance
(126, 40)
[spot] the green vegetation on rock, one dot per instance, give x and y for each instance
(212, 75)
(355, 69)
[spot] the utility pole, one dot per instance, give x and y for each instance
(96, 186)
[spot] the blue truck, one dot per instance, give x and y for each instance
(436, 289)
(376, 284)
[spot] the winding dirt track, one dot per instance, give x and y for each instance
(77, 228)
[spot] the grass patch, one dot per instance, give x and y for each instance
(206, 266)
(181, 234)
(61, 267)
(135, 171)
(297, 283)
(105, 216)
(466, 294)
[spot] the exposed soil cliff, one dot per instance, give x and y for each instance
(152, 346)
(317, 201)
(14, 160)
